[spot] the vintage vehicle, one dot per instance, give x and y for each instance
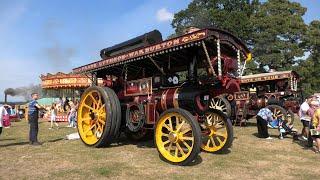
(163, 86)
(278, 90)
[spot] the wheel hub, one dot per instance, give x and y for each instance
(173, 137)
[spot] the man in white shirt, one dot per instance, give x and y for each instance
(305, 117)
(3, 112)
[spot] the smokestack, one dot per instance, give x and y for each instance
(5, 98)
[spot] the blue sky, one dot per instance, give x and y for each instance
(38, 36)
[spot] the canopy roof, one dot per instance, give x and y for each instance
(269, 76)
(171, 46)
(62, 80)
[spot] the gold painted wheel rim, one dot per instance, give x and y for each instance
(91, 117)
(215, 133)
(174, 137)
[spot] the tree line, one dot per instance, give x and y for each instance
(274, 30)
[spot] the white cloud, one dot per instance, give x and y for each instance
(164, 15)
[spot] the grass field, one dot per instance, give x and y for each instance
(249, 158)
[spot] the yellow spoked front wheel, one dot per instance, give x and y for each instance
(98, 116)
(178, 136)
(217, 133)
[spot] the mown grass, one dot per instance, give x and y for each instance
(249, 158)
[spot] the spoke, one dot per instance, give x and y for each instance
(102, 121)
(167, 127)
(176, 152)
(211, 139)
(186, 145)
(99, 102)
(180, 149)
(177, 121)
(208, 143)
(219, 140)
(187, 138)
(170, 123)
(165, 135)
(214, 122)
(89, 107)
(170, 147)
(185, 131)
(166, 142)
(99, 127)
(94, 100)
(86, 132)
(180, 126)
(211, 104)
(216, 103)
(220, 134)
(101, 108)
(84, 120)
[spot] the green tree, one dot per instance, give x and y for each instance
(278, 33)
(273, 29)
(309, 69)
(231, 15)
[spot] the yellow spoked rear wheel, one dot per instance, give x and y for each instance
(91, 117)
(99, 116)
(217, 134)
(177, 136)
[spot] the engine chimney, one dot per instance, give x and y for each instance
(5, 98)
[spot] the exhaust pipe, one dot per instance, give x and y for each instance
(5, 98)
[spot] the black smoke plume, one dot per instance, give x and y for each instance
(24, 92)
(58, 56)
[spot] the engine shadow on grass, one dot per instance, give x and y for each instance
(225, 152)
(123, 141)
(196, 161)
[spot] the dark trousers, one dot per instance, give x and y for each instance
(33, 132)
(262, 126)
(0, 130)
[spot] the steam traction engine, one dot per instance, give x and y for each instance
(277, 90)
(165, 86)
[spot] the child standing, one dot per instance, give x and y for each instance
(53, 115)
(72, 114)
